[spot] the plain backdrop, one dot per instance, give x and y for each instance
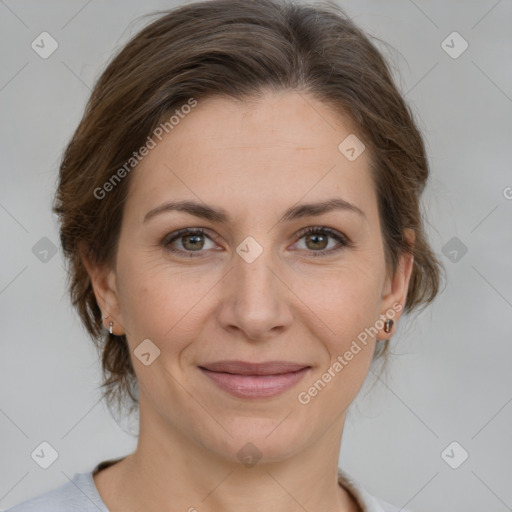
(450, 380)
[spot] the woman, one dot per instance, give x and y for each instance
(240, 211)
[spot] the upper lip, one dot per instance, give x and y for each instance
(248, 368)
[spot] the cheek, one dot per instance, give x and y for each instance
(348, 304)
(350, 311)
(159, 302)
(346, 298)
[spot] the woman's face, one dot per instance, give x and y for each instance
(251, 286)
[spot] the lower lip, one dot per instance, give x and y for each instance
(255, 386)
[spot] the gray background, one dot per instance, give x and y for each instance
(450, 379)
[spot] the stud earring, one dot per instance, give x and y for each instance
(388, 324)
(110, 325)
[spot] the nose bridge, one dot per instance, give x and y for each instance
(254, 300)
(253, 278)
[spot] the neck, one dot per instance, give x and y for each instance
(169, 471)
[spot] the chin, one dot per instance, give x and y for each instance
(260, 440)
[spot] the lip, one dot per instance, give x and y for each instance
(255, 380)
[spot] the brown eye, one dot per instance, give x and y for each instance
(319, 241)
(192, 242)
(187, 242)
(316, 241)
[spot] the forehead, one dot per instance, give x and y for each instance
(270, 151)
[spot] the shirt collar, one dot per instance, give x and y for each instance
(365, 500)
(362, 497)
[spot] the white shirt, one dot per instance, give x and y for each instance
(81, 495)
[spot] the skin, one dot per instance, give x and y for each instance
(253, 159)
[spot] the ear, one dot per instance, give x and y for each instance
(103, 280)
(396, 286)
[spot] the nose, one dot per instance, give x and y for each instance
(255, 302)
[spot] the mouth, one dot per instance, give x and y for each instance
(255, 380)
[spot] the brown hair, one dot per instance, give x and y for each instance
(237, 49)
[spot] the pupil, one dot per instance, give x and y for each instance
(197, 239)
(315, 240)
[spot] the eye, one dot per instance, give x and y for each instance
(190, 240)
(316, 240)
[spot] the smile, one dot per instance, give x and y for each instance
(255, 380)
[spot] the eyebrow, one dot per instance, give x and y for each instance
(220, 215)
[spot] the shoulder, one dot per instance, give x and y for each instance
(366, 501)
(79, 494)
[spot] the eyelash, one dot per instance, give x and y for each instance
(341, 239)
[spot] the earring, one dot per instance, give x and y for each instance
(388, 324)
